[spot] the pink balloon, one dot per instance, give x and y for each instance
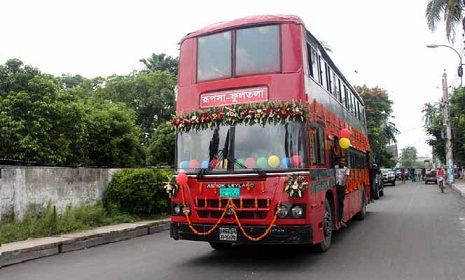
(344, 133)
(194, 164)
(181, 179)
(250, 162)
(296, 160)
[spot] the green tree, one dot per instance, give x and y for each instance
(434, 126)
(161, 149)
(160, 62)
(37, 122)
(450, 11)
(151, 95)
(408, 158)
(113, 137)
(381, 132)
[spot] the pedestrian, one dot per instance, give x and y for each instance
(342, 177)
(402, 175)
(374, 180)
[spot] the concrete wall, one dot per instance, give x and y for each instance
(31, 188)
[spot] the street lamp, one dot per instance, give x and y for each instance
(460, 68)
(449, 156)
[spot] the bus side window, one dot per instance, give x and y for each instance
(318, 146)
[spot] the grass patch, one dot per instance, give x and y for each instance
(49, 223)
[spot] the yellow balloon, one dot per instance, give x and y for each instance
(274, 161)
(344, 143)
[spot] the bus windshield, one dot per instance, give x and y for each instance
(256, 49)
(269, 147)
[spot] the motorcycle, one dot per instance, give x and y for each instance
(441, 183)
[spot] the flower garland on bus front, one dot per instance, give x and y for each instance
(251, 113)
(230, 202)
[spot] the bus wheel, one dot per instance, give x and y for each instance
(363, 210)
(327, 229)
(220, 246)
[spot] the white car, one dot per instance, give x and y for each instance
(389, 176)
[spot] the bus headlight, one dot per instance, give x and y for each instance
(177, 209)
(297, 211)
(180, 209)
(282, 211)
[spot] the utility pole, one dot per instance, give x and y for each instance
(447, 122)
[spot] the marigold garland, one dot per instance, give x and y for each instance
(295, 186)
(230, 202)
(251, 113)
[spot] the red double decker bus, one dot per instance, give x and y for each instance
(260, 108)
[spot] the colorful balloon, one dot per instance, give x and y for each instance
(240, 161)
(286, 162)
(181, 179)
(213, 163)
(344, 133)
(204, 164)
(194, 164)
(273, 161)
(262, 162)
(296, 160)
(250, 162)
(184, 164)
(344, 143)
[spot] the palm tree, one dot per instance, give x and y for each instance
(450, 10)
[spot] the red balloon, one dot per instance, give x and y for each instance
(181, 179)
(296, 160)
(214, 163)
(250, 162)
(194, 164)
(344, 133)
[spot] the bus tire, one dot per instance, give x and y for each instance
(327, 229)
(363, 210)
(220, 246)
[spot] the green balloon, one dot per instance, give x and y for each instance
(262, 162)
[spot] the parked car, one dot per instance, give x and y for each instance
(389, 176)
(431, 176)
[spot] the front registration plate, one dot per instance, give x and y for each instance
(228, 234)
(230, 192)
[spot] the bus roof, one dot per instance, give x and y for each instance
(242, 22)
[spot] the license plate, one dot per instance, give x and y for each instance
(228, 234)
(230, 192)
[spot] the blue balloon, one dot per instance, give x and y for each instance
(204, 164)
(286, 162)
(185, 164)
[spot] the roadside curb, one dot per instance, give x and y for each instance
(17, 252)
(461, 191)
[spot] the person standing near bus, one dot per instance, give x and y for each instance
(342, 177)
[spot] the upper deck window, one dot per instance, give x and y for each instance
(256, 51)
(214, 56)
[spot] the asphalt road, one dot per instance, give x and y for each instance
(412, 232)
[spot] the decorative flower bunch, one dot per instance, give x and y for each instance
(250, 113)
(171, 186)
(295, 186)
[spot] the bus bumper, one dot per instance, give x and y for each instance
(277, 235)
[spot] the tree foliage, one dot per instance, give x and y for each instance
(149, 94)
(409, 157)
(53, 121)
(450, 11)
(161, 62)
(436, 130)
(381, 132)
(161, 149)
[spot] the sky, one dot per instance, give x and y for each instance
(374, 43)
